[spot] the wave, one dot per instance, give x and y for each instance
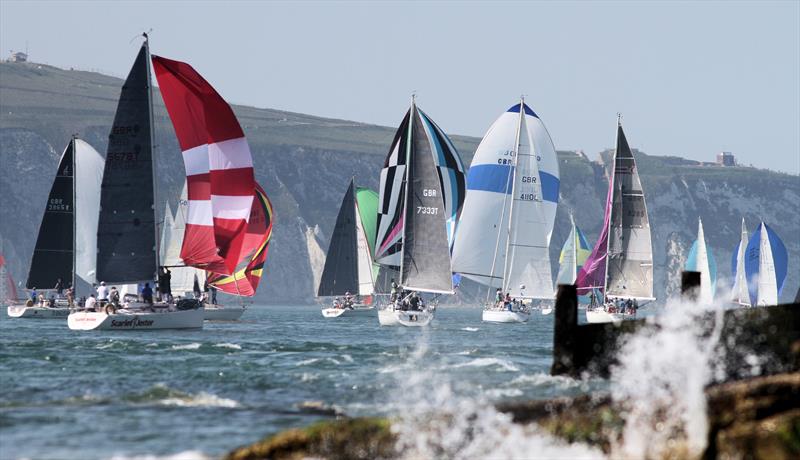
(503, 392)
(467, 352)
(201, 399)
(485, 362)
(546, 379)
(232, 346)
(188, 346)
(306, 362)
(470, 329)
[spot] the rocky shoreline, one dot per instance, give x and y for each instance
(751, 418)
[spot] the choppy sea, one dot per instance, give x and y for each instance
(200, 393)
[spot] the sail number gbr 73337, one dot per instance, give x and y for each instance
(430, 210)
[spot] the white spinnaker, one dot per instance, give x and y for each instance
(706, 291)
(767, 281)
(527, 270)
(89, 165)
(547, 164)
(740, 292)
(484, 217)
(366, 285)
(567, 270)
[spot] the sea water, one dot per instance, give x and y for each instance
(69, 394)
(200, 393)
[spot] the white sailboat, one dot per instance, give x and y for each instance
(702, 260)
(349, 273)
(509, 212)
(66, 246)
(621, 263)
(764, 266)
(421, 192)
(739, 292)
(126, 230)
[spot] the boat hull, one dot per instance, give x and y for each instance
(602, 316)
(505, 316)
(408, 318)
(185, 319)
(21, 311)
(356, 311)
(220, 313)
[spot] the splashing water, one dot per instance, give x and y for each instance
(661, 379)
(436, 421)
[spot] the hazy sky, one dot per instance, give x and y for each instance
(690, 79)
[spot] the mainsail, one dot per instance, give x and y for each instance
(183, 278)
(417, 135)
(126, 233)
(219, 167)
(67, 243)
(739, 292)
(505, 228)
(421, 194)
(702, 260)
(621, 262)
(766, 266)
(341, 273)
(8, 290)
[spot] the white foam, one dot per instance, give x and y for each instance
(503, 392)
(306, 362)
(232, 346)
(201, 399)
(467, 352)
(185, 455)
(470, 329)
(536, 380)
(660, 381)
(188, 346)
(347, 358)
(485, 362)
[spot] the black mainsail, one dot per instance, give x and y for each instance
(55, 245)
(126, 233)
(426, 252)
(629, 273)
(340, 274)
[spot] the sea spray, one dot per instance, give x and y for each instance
(661, 379)
(436, 420)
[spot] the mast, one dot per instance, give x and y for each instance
(74, 214)
(411, 113)
(513, 176)
(610, 217)
(152, 155)
(575, 244)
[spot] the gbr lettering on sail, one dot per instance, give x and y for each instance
(430, 210)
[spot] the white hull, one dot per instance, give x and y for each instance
(409, 318)
(356, 311)
(220, 313)
(130, 320)
(602, 316)
(505, 316)
(21, 311)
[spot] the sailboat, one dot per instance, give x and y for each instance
(183, 279)
(66, 246)
(766, 264)
(8, 290)
(229, 217)
(348, 267)
(621, 263)
(420, 198)
(573, 255)
(245, 280)
(739, 293)
(127, 246)
(509, 212)
(702, 260)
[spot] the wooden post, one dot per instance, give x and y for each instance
(690, 285)
(566, 323)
